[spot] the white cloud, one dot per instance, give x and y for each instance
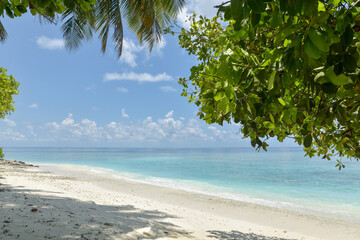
(95, 108)
(129, 51)
(156, 132)
(50, 44)
(169, 114)
(11, 135)
(34, 105)
(124, 114)
(9, 122)
(158, 48)
(200, 7)
(122, 90)
(69, 120)
(140, 77)
(167, 89)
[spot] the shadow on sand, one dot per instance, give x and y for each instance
(236, 235)
(51, 217)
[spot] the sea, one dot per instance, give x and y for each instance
(280, 177)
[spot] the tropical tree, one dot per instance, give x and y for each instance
(147, 18)
(8, 88)
(281, 69)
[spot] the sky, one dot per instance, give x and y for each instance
(84, 98)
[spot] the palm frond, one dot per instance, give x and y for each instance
(3, 33)
(109, 15)
(79, 25)
(148, 18)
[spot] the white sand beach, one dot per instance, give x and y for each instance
(68, 202)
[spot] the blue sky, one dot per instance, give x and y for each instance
(86, 98)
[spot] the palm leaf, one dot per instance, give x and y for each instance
(3, 33)
(79, 25)
(109, 15)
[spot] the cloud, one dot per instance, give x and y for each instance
(69, 120)
(200, 7)
(122, 90)
(34, 105)
(158, 48)
(146, 131)
(124, 114)
(9, 122)
(143, 132)
(140, 77)
(167, 89)
(50, 44)
(169, 114)
(129, 51)
(11, 135)
(69, 130)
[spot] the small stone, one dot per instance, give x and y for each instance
(108, 224)
(34, 210)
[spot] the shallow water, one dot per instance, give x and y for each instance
(281, 177)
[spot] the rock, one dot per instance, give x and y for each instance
(108, 224)
(34, 210)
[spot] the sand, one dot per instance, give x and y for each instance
(76, 202)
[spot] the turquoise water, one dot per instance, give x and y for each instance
(281, 177)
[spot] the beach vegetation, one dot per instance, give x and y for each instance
(280, 69)
(8, 88)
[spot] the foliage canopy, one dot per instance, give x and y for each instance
(8, 88)
(281, 69)
(146, 18)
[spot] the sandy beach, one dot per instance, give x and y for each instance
(68, 202)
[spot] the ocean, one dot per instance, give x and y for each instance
(281, 177)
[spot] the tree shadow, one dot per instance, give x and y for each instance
(52, 217)
(237, 235)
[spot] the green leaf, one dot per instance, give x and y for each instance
(281, 101)
(268, 124)
(321, 7)
(338, 80)
(255, 18)
(328, 88)
(349, 63)
(21, 8)
(276, 19)
(236, 8)
(319, 40)
(257, 6)
(347, 36)
(271, 80)
(311, 50)
(223, 105)
(308, 141)
(9, 12)
(219, 96)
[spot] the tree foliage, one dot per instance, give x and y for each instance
(281, 69)
(8, 88)
(146, 18)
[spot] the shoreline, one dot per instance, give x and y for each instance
(131, 178)
(184, 215)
